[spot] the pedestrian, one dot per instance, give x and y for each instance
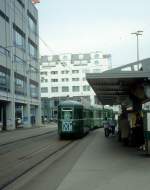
(112, 124)
(106, 127)
(106, 123)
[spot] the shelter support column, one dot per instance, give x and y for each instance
(10, 115)
(38, 115)
(26, 115)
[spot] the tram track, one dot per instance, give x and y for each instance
(9, 147)
(28, 162)
(26, 138)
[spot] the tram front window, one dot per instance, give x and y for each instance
(66, 114)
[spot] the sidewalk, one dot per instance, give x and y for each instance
(106, 164)
(7, 137)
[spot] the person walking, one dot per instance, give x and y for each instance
(112, 124)
(106, 127)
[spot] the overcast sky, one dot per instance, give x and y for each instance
(70, 26)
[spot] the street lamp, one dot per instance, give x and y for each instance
(138, 33)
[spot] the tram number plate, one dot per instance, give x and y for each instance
(67, 126)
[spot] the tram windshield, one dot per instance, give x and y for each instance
(66, 114)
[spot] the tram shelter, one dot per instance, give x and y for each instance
(127, 86)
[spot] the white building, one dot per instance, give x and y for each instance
(19, 64)
(64, 76)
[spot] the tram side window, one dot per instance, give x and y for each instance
(97, 114)
(87, 114)
(78, 113)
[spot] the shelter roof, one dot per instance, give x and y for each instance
(116, 86)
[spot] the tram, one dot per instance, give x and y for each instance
(73, 119)
(76, 119)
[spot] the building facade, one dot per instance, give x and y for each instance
(19, 64)
(64, 77)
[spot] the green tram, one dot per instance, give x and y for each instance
(75, 119)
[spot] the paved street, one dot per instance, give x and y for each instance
(20, 156)
(93, 163)
(10, 136)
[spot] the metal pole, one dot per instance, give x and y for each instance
(138, 33)
(137, 47)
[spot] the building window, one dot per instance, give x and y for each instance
(75, 88)
(75, 71)
(2, 78)
(65, 72)
(19, 64)
(44, 89)
(54, 72)
(54, 89)
(44, 80)
(20, 86)
(33, 91)
(32, 50)
(32, 24)
(43, 73)
(54, 80)
(33, 72)
(4, 81)
(65, 89)
(4, 51)
(75, 79)
(86, 88)
(19, 38)
(65, 79)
